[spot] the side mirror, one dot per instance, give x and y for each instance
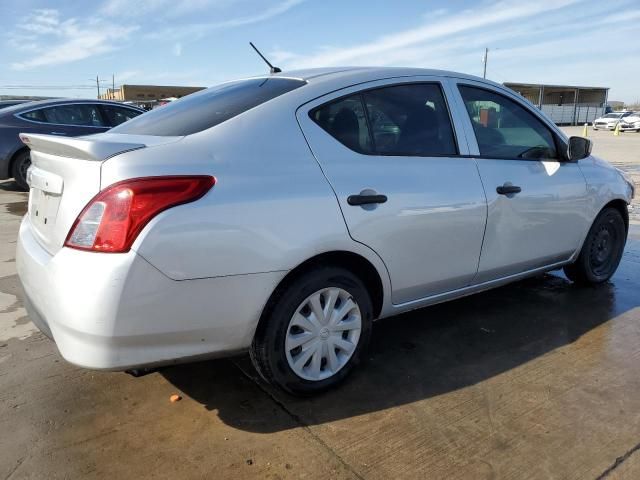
(579, 148)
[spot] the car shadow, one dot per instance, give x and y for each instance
(10, 186)
(426, 352)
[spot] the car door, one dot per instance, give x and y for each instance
(536, 199)
(391, 153)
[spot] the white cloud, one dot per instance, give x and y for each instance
(376, 51)
(46, 38)
(163, 8)
(174, 9)
(126, 75)
(529, 42)
(59, 41)
(200, 29)
(268, 13)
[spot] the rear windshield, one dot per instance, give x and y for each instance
(208, 108)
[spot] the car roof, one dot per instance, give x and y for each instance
(374, 72)
(334, 78)
(14, 102)
(23, 107)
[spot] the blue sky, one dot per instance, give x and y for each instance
(203, 42)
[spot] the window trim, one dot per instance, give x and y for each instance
(19, 116)
(374, 153)
(559, 144)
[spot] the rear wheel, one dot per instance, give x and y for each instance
(19, 167)
(315, 332)
(602, 249)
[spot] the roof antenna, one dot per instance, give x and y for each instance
(272, 69)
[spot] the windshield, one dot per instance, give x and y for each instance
(202, 110)
(612, 115)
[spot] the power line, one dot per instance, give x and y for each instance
(50, 87)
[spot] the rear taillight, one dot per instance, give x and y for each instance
(114, 218)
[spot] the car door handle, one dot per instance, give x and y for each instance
(366, 199)
(508, 189)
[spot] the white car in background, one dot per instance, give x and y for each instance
(630, 123)
(610, 120)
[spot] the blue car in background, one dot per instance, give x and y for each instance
(66, 117)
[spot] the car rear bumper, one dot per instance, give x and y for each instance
(116, 311)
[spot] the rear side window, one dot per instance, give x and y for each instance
(208, 108)
(345, 121)
(78, 114)
(117, 115)
(35, 115)
(505, 129)
(401, 120)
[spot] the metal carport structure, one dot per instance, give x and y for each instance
(565, 104)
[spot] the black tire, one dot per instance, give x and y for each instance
(19, 167)
(602, 250)
(268, 352)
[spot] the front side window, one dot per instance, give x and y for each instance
(399, 120)
(117, 115)
(73, 114)
(505, 129)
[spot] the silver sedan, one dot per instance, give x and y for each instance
(283, 214)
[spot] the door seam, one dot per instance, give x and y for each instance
(486, 222)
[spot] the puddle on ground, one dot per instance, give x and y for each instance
(14, 322)
(17, 208)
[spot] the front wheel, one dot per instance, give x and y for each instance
(602, 249)
(315, 332)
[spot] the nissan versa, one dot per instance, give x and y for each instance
(283, 214)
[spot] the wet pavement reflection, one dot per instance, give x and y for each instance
(440, 349)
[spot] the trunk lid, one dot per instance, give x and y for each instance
(65, 175)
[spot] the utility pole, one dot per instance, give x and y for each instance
(98, 85)
(484, 60)
(113, 86)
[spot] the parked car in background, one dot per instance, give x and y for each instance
(630, 123)
(283, 214)
(11, 103)
(69, 118)
(610, 120)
